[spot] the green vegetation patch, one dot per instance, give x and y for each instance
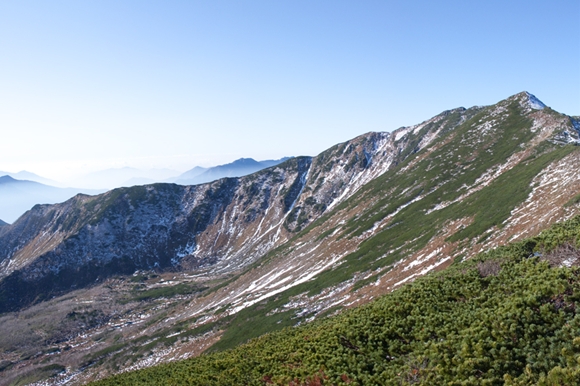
(39, 374)
(505, 317)
(166, 291)
(573, 201)
(443, 176)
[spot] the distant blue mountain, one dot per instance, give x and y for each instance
(28, 176)
(188, 175)
(18, 196)
(238, 168)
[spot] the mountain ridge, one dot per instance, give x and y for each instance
(305, 238)
(237, 168)
(294, 212)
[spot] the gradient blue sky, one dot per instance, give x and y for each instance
(86, 85)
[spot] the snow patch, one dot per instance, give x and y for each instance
(534, 102)
(189, 249)
(401, 133)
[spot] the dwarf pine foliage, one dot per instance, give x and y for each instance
(505, 317)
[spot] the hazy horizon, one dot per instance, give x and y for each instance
(88, 86)
(95, 179)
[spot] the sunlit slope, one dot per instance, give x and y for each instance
(504, 173)
(505, 316)
(464, 188)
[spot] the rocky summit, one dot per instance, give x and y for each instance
(148, 274)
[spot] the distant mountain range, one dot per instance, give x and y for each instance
(28, 176)
(189, 175)
(21, 191)
(18, 196)
(127, 176)
(238, 168)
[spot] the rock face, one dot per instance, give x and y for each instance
(425, 180)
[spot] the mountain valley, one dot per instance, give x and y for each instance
(149, 274)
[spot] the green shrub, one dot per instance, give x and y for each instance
(504, 317)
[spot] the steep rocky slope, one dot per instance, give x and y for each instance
(290, 243)
(212, 228)
(505, 172)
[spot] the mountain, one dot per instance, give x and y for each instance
(16, 196)
(28, 176)
(452, 327)
(190, 174)
(148, 274)
(2, 223)
(168, 226)
(127, 176)
(238, 168)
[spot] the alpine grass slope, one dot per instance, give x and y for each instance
(157, 273)
(504, 317)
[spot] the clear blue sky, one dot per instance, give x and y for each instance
(91, 84)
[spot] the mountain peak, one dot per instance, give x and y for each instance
(6, 179)
(529, 100)
(534, 102)
(244, 161)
